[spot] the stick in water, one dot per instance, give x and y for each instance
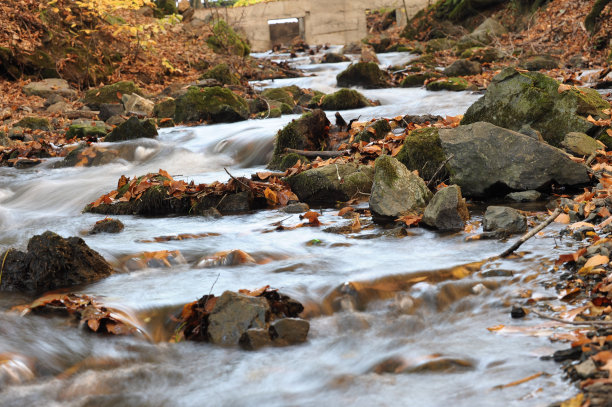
(531, 233)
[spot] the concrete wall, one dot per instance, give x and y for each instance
(335, 22)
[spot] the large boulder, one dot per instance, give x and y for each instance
(309, 132)
(422, 151)
(504, 218)
(224, 40)
(215, 104)
(396, 191)
(133, 129)
(233, 314)
(110, 93)
(344, 99)
(516, 98)
(447, 210)
(48, 87)
(34, 123)
(490, 159)
(364, 74)
(537, 62)
(52, 262)
(331, 183)
(223, 74)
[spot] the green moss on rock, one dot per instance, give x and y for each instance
(344, 99)
(215, 104)
(365, 74)
(514, 99)
(438, 44)
(453, 84)
(224, 40)
(165, 109)
(85, 131)
(110, 93)
(34, 123)
(418, 79)
(374, 131)
(282, 95)
(223, 74)
(133, 129)
(422, 151)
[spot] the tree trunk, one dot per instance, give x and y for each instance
(591, 20)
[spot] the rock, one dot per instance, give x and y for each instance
(417, 79)
(254, 339)
(215, 104)
(524, 196)
(53, 99)
(115, 120)
(447, 210)
(6, 113)
(16, 133)
(368, 55)
(289, 331)
(165, 108)
(484, 34)
(59, 107)
(107, 225)
(321, 186)
(396, 191)
(351, 48)
(453, 84)
(166, 7)
(537, 62)
(224, 40)
(332, 58)
(580, 144)
(85, 131)
(374, 131)
(586, 369)
(502, 217)
(94, 156)
(108, 110)
(463, 67)
(34, 123)
(422, 151)
(52, 262)
(233, 314)
(135, 104)
(4, 139)
(48, 87)
(183, 6)
(531, 132)
(344, 99)
(421, 119)
(94, 98)
(438, 44)
(299, 207)
(365, 74)
(133, 129)
(483, 54)
(516, 98)
(516, 311)
(281, 95)
(208, 83)
(309, 132)
(222, 74)
(479, 166)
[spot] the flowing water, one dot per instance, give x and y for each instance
(437, 331)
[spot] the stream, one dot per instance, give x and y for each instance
(438, 330)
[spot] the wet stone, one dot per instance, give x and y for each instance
(107, 225)
(501, 217)
(517, 312)
(233, 315)
(289, 331)
(299, 207)
(497, 273)
(254, 339)
(585, 369)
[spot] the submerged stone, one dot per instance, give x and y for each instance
(364, 74)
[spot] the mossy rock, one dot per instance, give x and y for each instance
(418, 79)
(274, 113)
(110, 93)
(289, 160)
(165, 109)
(482, 54)
(223, 74)
(165, 7)
(315, 100)
(43, 63)
(34, 123)
(224, 40)
(309, 132)
(425, 59)
(282, 95)
(364, 74)
(452, 84)
(4, 140)
(321, 186)
(165, 122)
(133, 129)
(422, 151)
(215, 104)
(344, 99)
(85, 131)
(514, 99)
(374, 131)
(439, 44)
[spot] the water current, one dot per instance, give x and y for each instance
(438, 330)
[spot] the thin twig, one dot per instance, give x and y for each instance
(531, 233)
(3, 260)
(433, 177)
(565, 321)
(236, 179)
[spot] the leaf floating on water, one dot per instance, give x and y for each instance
(312, 217)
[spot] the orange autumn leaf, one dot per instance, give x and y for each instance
(410, 220)
(312, 217)
(564, 258)
(271, 196)
(563, 218)
(563, 88)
